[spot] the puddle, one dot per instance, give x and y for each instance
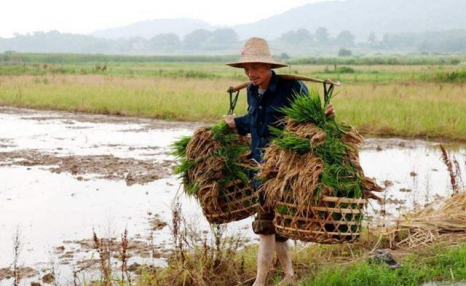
(64, 175)
(413, 175)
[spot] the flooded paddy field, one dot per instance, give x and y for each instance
(65, 175)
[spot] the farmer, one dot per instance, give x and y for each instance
(266, 94)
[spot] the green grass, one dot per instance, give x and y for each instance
(428, 110)
(417, 110)
(99, 58)
(394, 100)
(383, 60)
(318, 265)
(355, 60)
(352, 70)
(444, 264)
(458, 76)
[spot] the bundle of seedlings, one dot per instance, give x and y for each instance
(312, 176)
(214, 166)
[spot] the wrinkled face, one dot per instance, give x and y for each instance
(258, 73)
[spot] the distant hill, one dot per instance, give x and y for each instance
(362, 17)
(148, 29)
(401, 26)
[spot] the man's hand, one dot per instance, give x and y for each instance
(330, 111)
(230, 120)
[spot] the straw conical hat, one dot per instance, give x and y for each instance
(256, 50)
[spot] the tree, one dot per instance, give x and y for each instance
(345, 39)
(165, 42)
(322, 36)
(288, 37)
(224, 36)
(196, 38)
(345, 53)
(303, 36)
(372, 39)
(284, 56)
(137, 44)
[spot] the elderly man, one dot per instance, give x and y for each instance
(266, 94)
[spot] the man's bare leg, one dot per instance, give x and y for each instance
(264, 258)
(284, 256)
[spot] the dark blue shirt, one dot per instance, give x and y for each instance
(264, 111)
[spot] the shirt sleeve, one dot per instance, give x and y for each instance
(242, 125)
(300, 87)
(296, 87)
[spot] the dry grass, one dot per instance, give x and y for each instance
(228, 262)
(395, 109)
(413, 110)
(155, 97)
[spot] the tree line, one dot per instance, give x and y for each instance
(227, 40)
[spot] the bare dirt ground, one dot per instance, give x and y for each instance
(132, 171)
(139, 163)
(23, 272)
(136, 151)
(73, 118)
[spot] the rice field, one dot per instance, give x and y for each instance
(425, 101)
(411, 97)
(413, 108)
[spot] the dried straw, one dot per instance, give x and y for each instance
(214, 165)
(311, 163)
(284, 170)
(441, 216)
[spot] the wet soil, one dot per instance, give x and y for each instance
(132, 171)
(70, 118)
(23, 272)
(81, 167)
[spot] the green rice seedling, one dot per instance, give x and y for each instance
(214, 165)
(316, 185)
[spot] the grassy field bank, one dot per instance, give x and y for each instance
(413, 96)
(413, 108)
(425, 253)
(213, 70)
(318, 265)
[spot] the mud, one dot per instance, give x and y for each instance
(135, 248)
(94, 171)
(157, 223)
(5, 143)
(70, 118)
(132, 171)
(23, 272)
(48, 278)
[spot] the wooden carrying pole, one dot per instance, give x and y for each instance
(288, 77)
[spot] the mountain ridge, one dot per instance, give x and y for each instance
(360, 17)
(150, 28)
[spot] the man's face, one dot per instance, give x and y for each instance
(257, 73)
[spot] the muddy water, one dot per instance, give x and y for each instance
(63, 175)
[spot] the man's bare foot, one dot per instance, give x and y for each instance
(288, 281)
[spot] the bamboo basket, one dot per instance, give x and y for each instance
(333, 220)
(214, 167)
(235, 202)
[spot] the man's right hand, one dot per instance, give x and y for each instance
(230, 120)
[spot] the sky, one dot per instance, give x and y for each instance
(86, 16)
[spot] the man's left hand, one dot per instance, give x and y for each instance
(330, 111)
